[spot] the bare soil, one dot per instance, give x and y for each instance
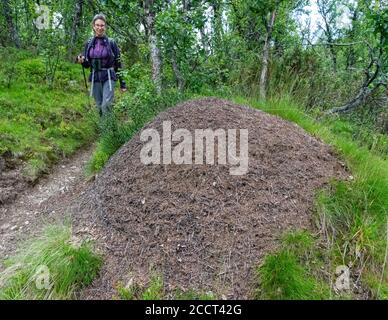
(12, 179)
(32, 207)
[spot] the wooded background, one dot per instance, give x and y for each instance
(334, 59)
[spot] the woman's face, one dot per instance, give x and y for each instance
(99, 27)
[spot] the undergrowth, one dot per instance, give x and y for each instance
(40, 124)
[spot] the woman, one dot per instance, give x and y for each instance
(102, 55)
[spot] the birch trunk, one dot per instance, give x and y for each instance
(75, 26)
(153, 43)
(10, 24)
(265, 59)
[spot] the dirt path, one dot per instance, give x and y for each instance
(44, 203)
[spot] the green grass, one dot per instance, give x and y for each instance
(282, 277)
(49, 267)
(113, 135)
(362, 134)
(40, 125)
(290, 272)
(154, 290)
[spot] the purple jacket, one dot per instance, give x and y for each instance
(111, 59)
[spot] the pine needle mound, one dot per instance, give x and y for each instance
(198, 226)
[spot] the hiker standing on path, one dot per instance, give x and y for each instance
(102, 55)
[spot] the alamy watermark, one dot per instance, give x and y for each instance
(47, 19)
(342, 282)
(43, 20)
(42, 278)
(191, 149)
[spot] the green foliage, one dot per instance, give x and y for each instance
(52, 50)
(49, 267)
(300, 242)
(380, 285)
(8, 64)
(177, 37)
(378, 17)
(367, 127)
(38, 125)
(153, 291)
(127, 293)
(113, 136)
(33, 69)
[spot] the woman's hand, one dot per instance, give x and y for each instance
(122, 90)
(80, 59)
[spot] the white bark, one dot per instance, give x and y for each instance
(75, 25)
(265, 59)
(153, 43)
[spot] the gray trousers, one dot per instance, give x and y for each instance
(103, 96)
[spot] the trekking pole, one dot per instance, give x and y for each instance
(83, 72)
(86, 84)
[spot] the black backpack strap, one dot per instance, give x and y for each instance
(113, 47)
(117, 65)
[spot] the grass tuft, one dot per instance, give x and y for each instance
(282, 277)
(286, 275)
(133, 291)
(49, 267)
